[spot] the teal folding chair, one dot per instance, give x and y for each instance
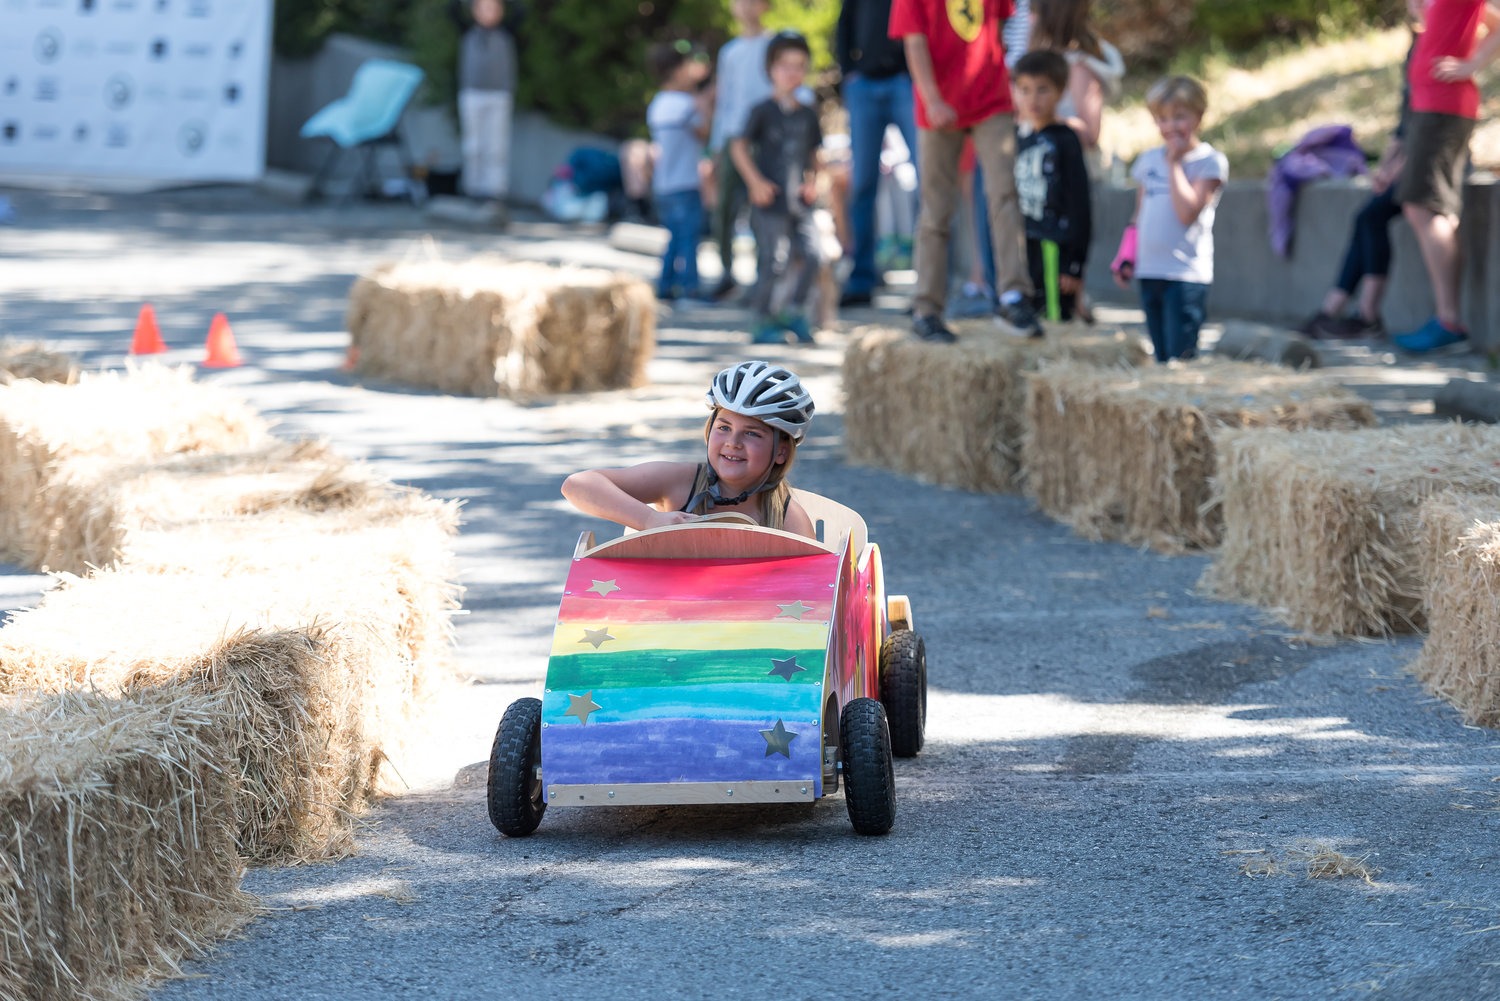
(367, 119)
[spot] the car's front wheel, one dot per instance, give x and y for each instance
(903, 690)
(515, 788)
(869, 779)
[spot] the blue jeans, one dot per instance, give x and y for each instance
(982, 230)
(682, 213)
(872, 105)
(1174, 315)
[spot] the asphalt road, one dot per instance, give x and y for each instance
(1124, 782)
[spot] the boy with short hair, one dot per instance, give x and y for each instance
(777, 154)
(1444, 109)
(486, 97)
(956, 57)
(1052, 183)
(741, 84)
(678, 127)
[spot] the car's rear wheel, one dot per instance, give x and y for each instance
(869, 779)
(515, 788)
(903, 690)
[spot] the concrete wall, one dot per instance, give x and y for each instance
(1251, 281)
(299, 87)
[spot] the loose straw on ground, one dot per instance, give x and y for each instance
(1460, 545)
(1129, 455)
(952, 413)
(1321, 526)
(488, 326)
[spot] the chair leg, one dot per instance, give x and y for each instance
(325, 169)
(418, 194)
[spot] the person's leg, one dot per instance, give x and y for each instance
(470, 130)
(938, 151)
(669, 214)
(995, 144)
(692, 232)
(767, 227)
(504, 105)
(802, 269)
(1152, 303)
(726, 209)
(1437, 236)
(866, 131)
(1184, 306)
(982, 232)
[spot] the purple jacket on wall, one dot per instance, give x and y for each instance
(1326, 151)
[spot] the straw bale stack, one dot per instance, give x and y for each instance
(32, 360)
(1129, 455)
(117, 855)
(144, 413)
(1322, 526)
(317, 661)
(952, 414)
(488, 326)
(93, 504)
(1460, 540)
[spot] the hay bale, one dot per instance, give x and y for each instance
(318, 662)
(952, 414)
(1322, 526)
(1460, 545)
(1129, 455)
(32, 360)
(488, 326)
(93, 504)
(117, 855)
(145, 413)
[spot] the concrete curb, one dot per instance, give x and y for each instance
(1469, 400)
(1243, 341)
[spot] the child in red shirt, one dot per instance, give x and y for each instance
(956, 57)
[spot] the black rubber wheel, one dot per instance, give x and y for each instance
(869, 779)
(903, 690)
(515, 790)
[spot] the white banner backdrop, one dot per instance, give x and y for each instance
(169, 90)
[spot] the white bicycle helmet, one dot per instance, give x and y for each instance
(764, 391)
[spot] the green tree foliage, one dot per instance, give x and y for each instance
(816, 19)
(302, 25)
(1152, 32)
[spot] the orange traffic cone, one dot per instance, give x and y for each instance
(147, 335)
(221, 350)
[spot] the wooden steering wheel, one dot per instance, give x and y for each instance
(731, 517)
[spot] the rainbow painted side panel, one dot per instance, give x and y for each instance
(689, 671)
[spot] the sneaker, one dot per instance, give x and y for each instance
(850, 298)
(973, 301)
(1430, 336)
(797, 324)
(767, 332)
(1019, 318)
(1321, 325)
(1359, 328)
(932, 329)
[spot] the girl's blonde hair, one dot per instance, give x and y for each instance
(1177, 90)
(773, 502)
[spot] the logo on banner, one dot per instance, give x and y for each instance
(192, 137)
(118, 91)
(47, 88)
(11, 131)
(87, 6)
(12, 86)
(48, 45)
(159, 49)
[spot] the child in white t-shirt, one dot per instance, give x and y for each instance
(1169, 245)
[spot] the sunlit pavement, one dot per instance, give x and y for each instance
(1123, 781)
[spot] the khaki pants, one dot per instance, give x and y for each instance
(938, 152)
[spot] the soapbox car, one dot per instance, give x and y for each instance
(719, 662)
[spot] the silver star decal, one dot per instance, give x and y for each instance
(779, 740)
(598, 637)
(582, 705)
(794, 610)
(785, 668)
(603, 587)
